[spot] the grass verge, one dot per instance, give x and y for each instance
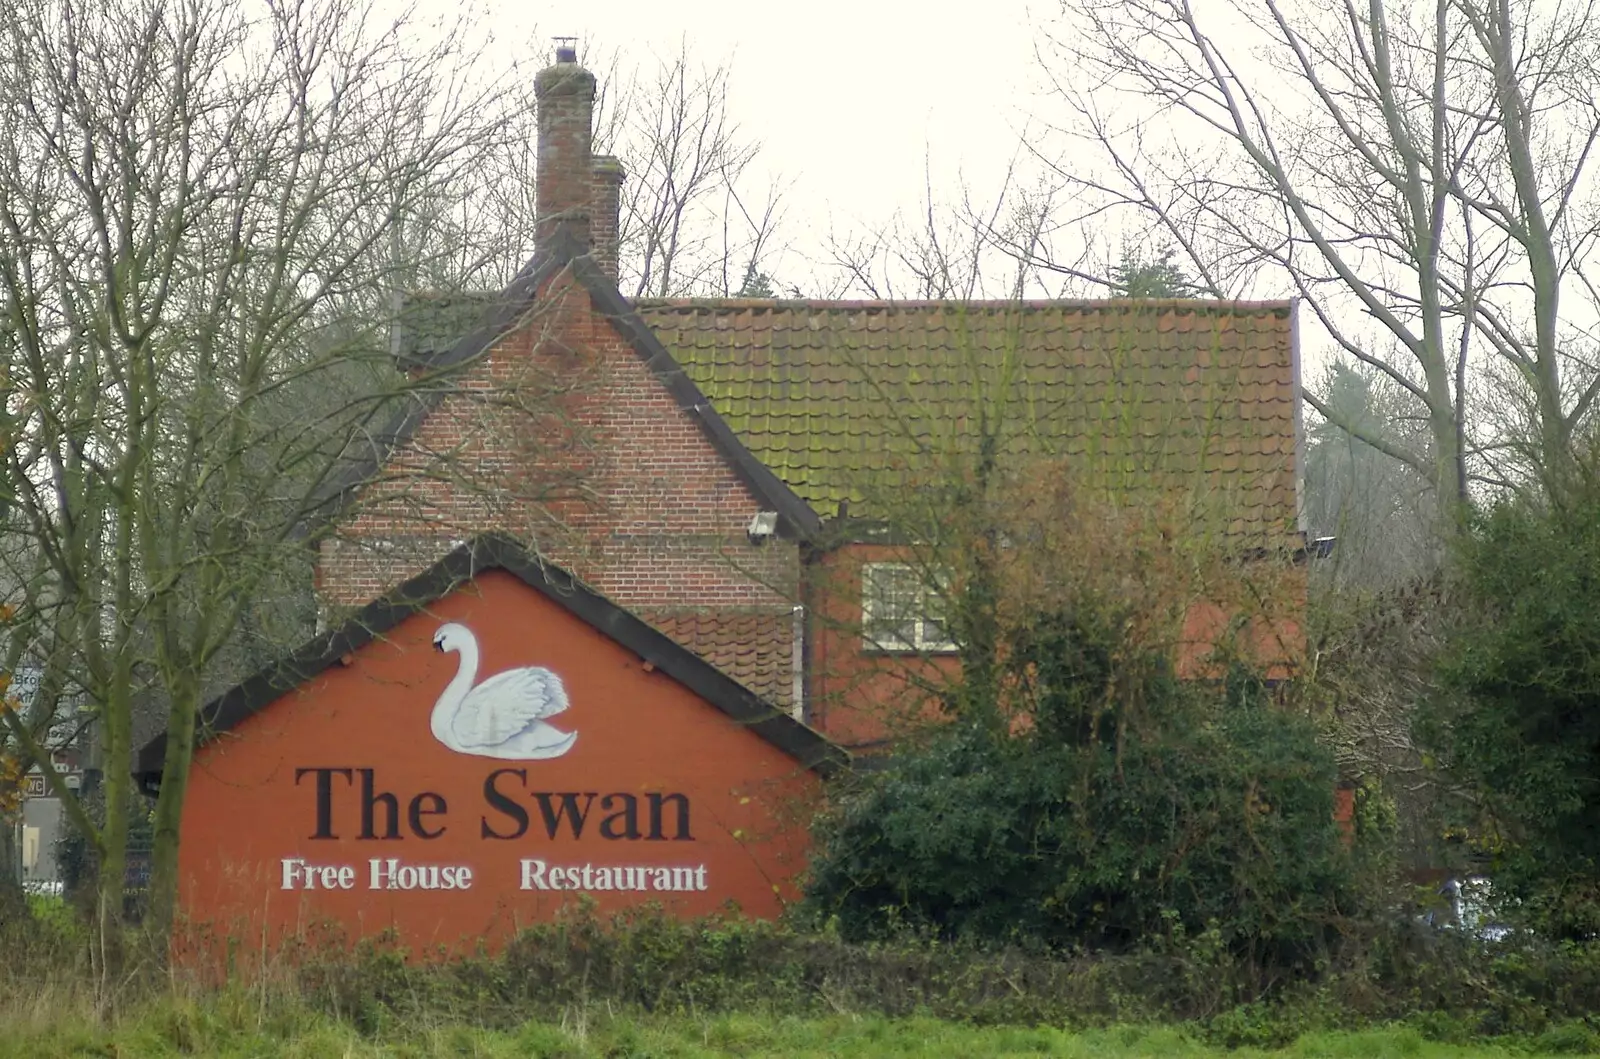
(231, 1026)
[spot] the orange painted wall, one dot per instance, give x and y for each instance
(860, 697)
(857, 695)
(1273, 639)
(638, 733)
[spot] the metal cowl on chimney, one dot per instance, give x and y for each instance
(564, 190)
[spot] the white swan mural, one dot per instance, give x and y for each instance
(504, 716)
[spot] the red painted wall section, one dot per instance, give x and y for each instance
(860, 696)
(1272, 639)
(1344, 812)
(682, 805)
(564, 438)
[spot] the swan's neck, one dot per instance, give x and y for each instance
(444, 711)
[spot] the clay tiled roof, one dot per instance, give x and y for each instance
(844, 399)
(756, 649)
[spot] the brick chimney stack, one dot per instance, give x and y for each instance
(566, 181)
(606, 220)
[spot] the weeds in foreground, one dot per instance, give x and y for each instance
(584, 985)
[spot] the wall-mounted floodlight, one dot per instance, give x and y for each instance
(763, 525)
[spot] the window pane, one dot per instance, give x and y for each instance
(890, 594)
(934, 632)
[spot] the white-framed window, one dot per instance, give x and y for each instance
(899, 612)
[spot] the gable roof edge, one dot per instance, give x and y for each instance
(566, 252)
(792, 509)
(375, 448)
(480, 555)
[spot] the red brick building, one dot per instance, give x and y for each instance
(616, 585)
(724, 469)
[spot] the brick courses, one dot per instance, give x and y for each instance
(561, 436)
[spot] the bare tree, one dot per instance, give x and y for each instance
(204, 210)
(696, 215)
(1420, 174)
(999, 246)
(1378, 510)
(691, 221)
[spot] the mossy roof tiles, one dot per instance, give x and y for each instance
(843, 400)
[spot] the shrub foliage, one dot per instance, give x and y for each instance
(1086, 792)
(1213, 813)
(1519, 723)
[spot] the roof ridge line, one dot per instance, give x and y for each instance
(1197, 305)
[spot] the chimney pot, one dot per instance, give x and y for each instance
(566, 49)
(565, 182)
(605, 220)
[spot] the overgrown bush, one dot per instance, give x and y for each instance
(645, 961)
(1450, 986)
(1112, 771)
(651, 962)
(1518, 722)
(1182, 827)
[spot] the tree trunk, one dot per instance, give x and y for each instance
(11, 900)
(169, 805)
(117, 781)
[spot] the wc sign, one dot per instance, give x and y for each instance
(36, 785)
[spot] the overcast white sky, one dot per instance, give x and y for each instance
(847, 98)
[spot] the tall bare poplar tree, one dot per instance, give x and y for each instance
(1421, 174)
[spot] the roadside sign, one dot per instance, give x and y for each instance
(23, 690)
(36, 785)
(24, 686)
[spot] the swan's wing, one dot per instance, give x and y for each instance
(507, 703)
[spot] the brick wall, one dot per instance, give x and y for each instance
(563, 437)
(605, 217)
